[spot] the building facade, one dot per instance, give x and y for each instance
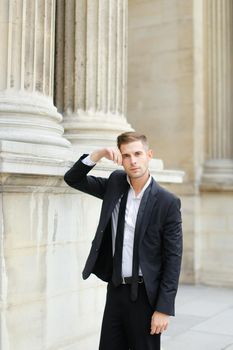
(75, 74)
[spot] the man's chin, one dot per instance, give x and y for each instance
(134, 175)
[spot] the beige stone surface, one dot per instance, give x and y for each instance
(217, 238)
(160, 83)
(45, 242)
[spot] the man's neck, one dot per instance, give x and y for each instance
(139, 183)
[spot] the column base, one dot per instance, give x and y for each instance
(217, 175)
(30, 117)
(90, 130)
(31, 134)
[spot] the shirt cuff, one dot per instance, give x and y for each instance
(88, 161)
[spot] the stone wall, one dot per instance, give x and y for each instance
(215, 225)
(45, 240)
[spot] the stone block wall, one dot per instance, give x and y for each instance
(45, 239)
(216, 231)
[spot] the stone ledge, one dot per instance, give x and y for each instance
(216, 186)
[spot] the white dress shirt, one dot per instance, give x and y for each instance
(132, 206)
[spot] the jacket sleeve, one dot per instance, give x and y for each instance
(171, 259)
(77, 178)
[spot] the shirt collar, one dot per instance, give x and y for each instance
(140, 194)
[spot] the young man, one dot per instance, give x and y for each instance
(137, 247)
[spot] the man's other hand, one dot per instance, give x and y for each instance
(159, 322)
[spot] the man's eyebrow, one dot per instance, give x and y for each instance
(139, 151)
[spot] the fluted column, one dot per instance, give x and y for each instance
(30, 126)
(219, 40)
(91, 64)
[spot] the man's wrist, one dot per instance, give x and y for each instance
(95, 156)
(161, 313)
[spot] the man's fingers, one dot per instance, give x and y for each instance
(119, 159)
(159, 323)
(110, 154)
(114, 155)
(158, 329)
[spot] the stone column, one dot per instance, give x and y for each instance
(218, 168)
(91, 70)
(30, 129)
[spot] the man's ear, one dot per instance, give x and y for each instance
(150, 153)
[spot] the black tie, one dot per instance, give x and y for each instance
(117, 258)
(135, 268)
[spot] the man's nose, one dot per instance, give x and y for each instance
(133, 160)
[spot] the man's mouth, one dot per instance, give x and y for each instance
(134, 169)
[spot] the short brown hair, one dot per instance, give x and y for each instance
(131, 136)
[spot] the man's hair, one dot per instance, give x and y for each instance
(131, 136)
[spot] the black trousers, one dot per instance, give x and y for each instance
(126, 324)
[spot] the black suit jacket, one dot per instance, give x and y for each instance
(160, 246)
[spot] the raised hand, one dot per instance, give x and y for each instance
(108, 153)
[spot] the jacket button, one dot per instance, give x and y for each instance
(97, 249)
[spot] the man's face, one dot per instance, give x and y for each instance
(135, 159)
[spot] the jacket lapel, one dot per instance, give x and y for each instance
(145, 211)
(110, 202)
